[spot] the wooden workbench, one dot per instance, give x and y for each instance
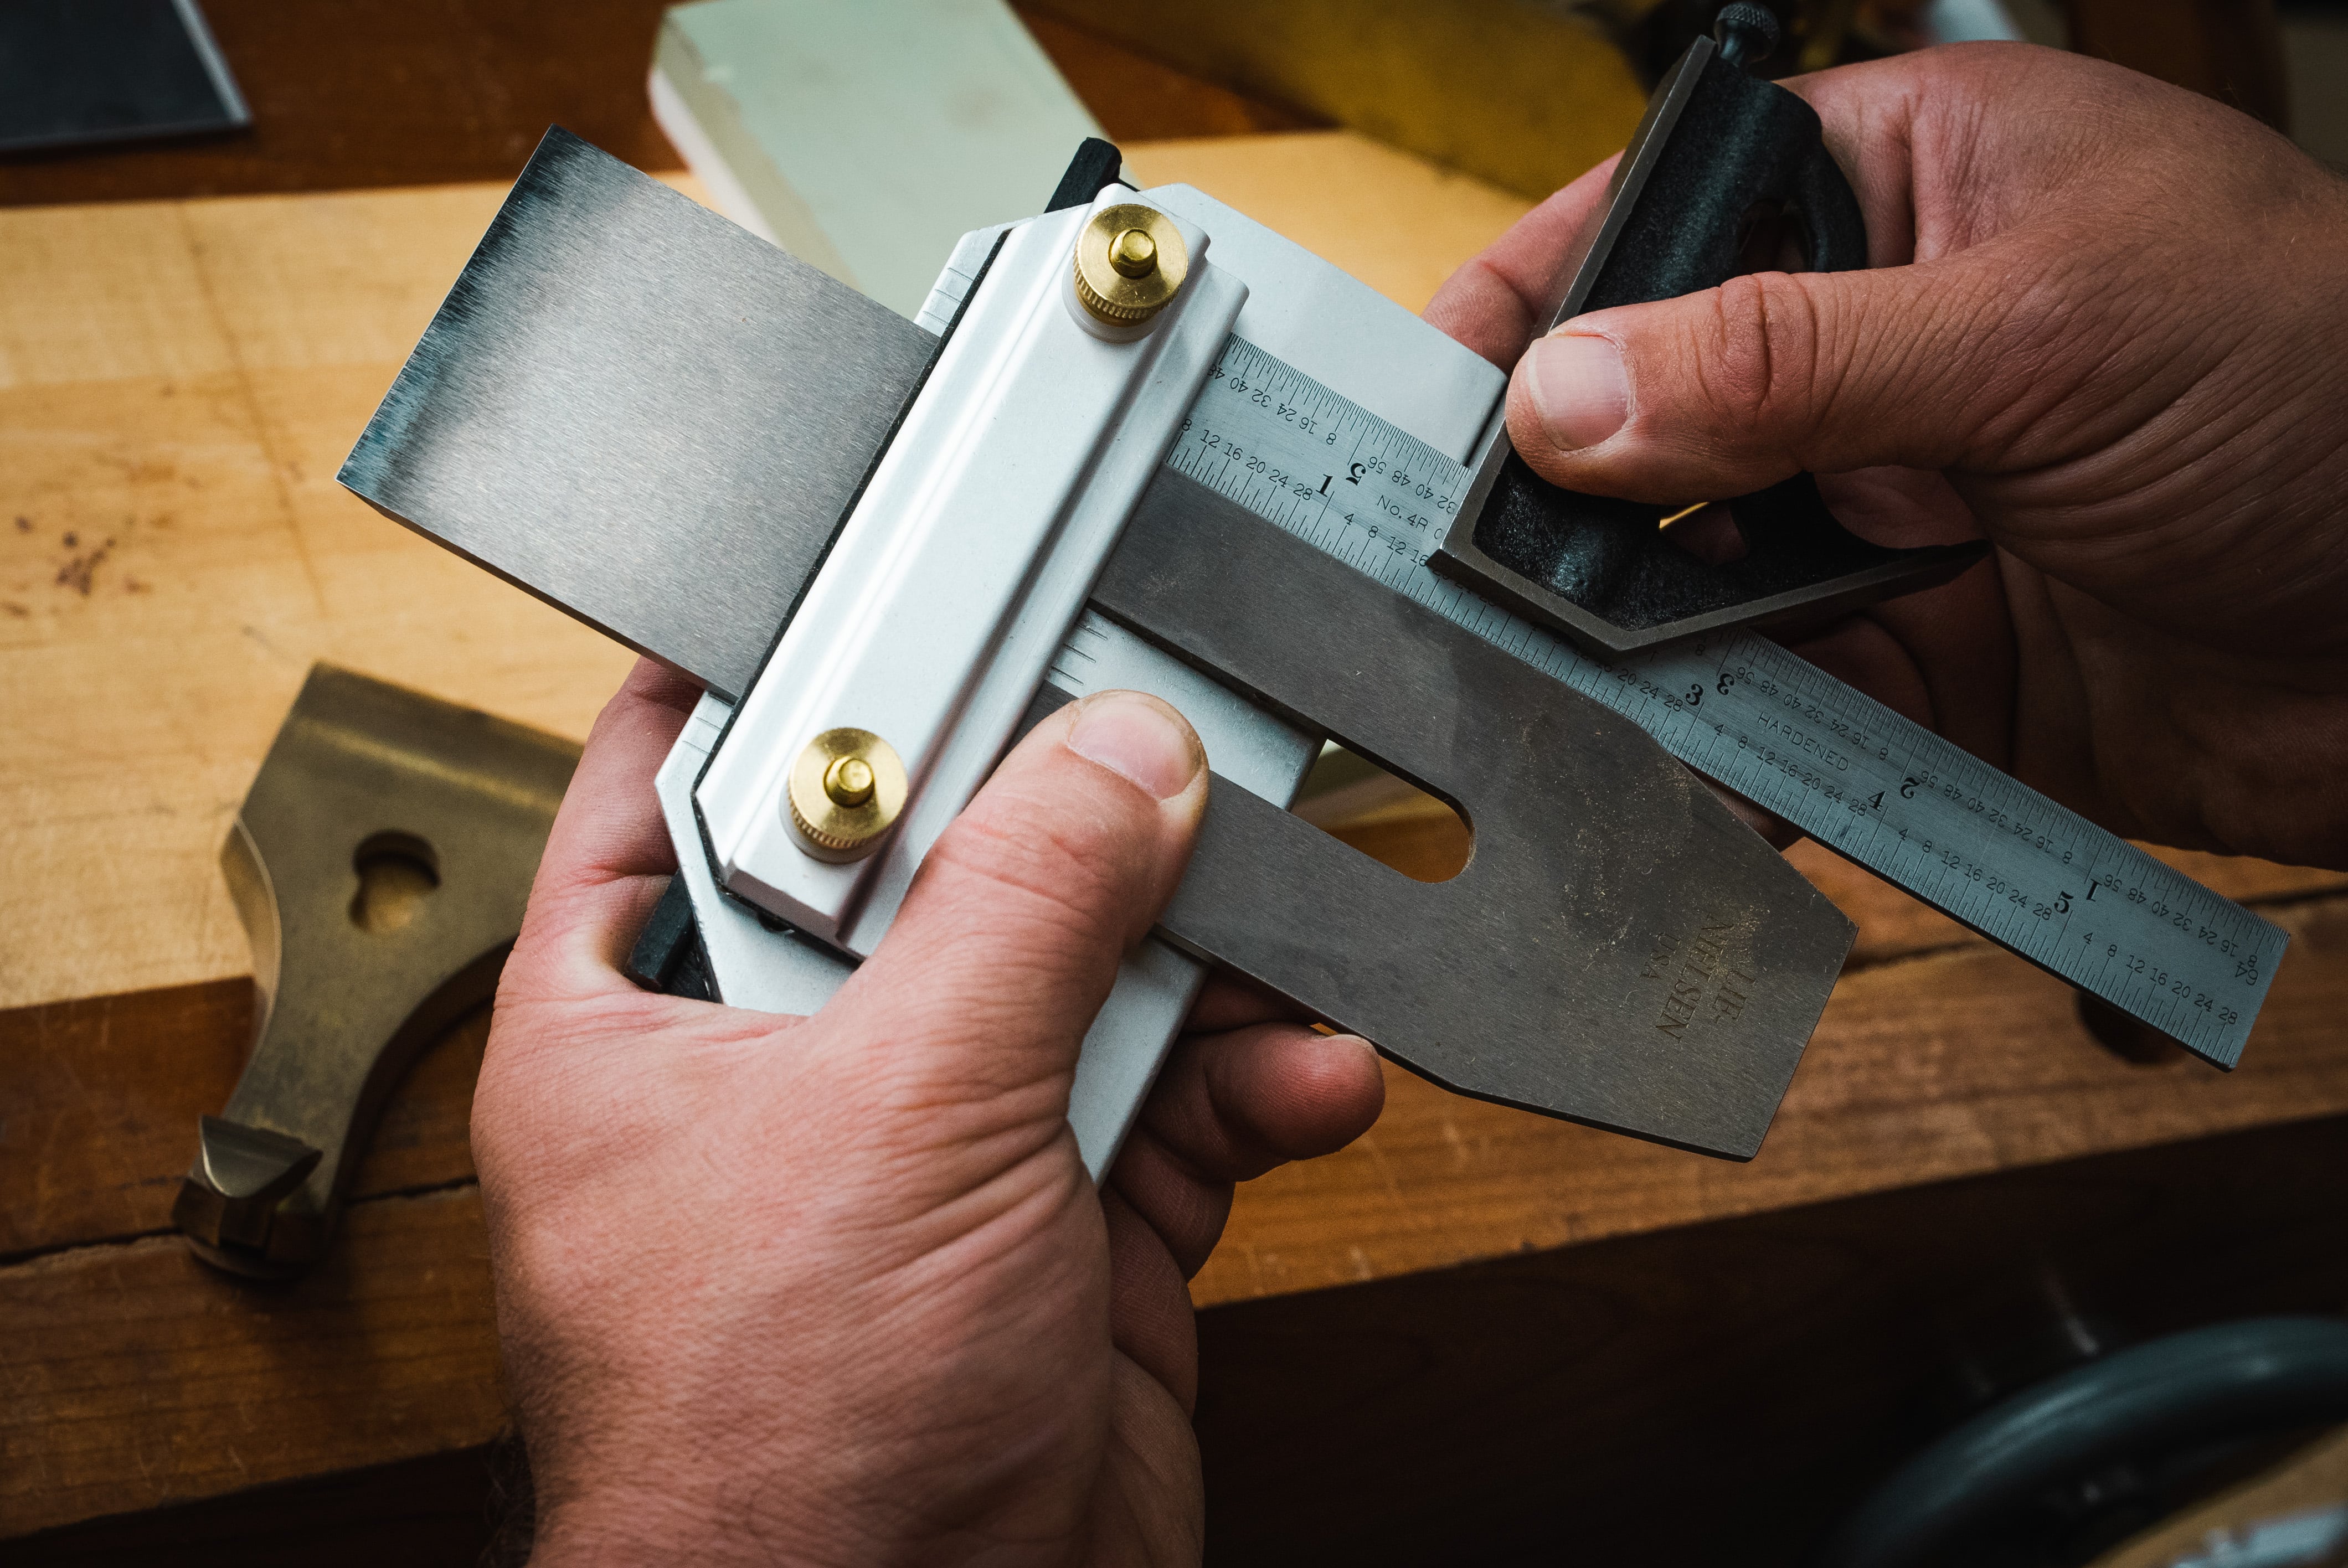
(179, 381)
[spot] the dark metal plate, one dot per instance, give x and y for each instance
(1620, 949)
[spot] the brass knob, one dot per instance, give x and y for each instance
(847, 782)
(1131, 263)
(1133, 254)
(845, 792)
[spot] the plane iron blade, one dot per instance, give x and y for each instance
(1619, 949)
(640, 413)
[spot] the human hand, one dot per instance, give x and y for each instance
(838, 1289)
(2107, 327)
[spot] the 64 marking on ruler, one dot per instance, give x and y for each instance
(1922, 813)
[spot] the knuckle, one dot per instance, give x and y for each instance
(1059, 871)
(1757, 356)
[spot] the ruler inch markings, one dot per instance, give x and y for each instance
(1884, 792)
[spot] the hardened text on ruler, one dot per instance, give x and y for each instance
(1920, 813)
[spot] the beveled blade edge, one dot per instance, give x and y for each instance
(640, 413)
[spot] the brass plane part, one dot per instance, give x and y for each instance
(380, 865)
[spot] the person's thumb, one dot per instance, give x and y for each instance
(1011, 935)
(1722, 393)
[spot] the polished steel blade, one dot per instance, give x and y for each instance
(640, 413)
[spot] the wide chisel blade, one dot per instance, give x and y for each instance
(640, 413)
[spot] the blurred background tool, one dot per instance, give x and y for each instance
(863, 139)
(1823, 33)
(1526, 95)
(2076, 1463)
(76, 73)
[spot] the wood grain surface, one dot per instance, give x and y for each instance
(132, 1375)
(178, 383)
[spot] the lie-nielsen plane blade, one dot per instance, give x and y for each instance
(884, 547)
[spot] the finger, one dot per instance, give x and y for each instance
(1234, 1001)
(1229, 1107)
(609, 852)
(1999, 331)
(1149, 1315)
(1728, 391)
(1493, 303)
(1012, 934)
(1232, 1106)
(1725, 391)
(610, 822)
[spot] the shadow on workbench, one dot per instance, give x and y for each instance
(428, 1512)
(1727, 1392)
(1720, 1393)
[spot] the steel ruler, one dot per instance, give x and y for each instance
(1917, 811)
